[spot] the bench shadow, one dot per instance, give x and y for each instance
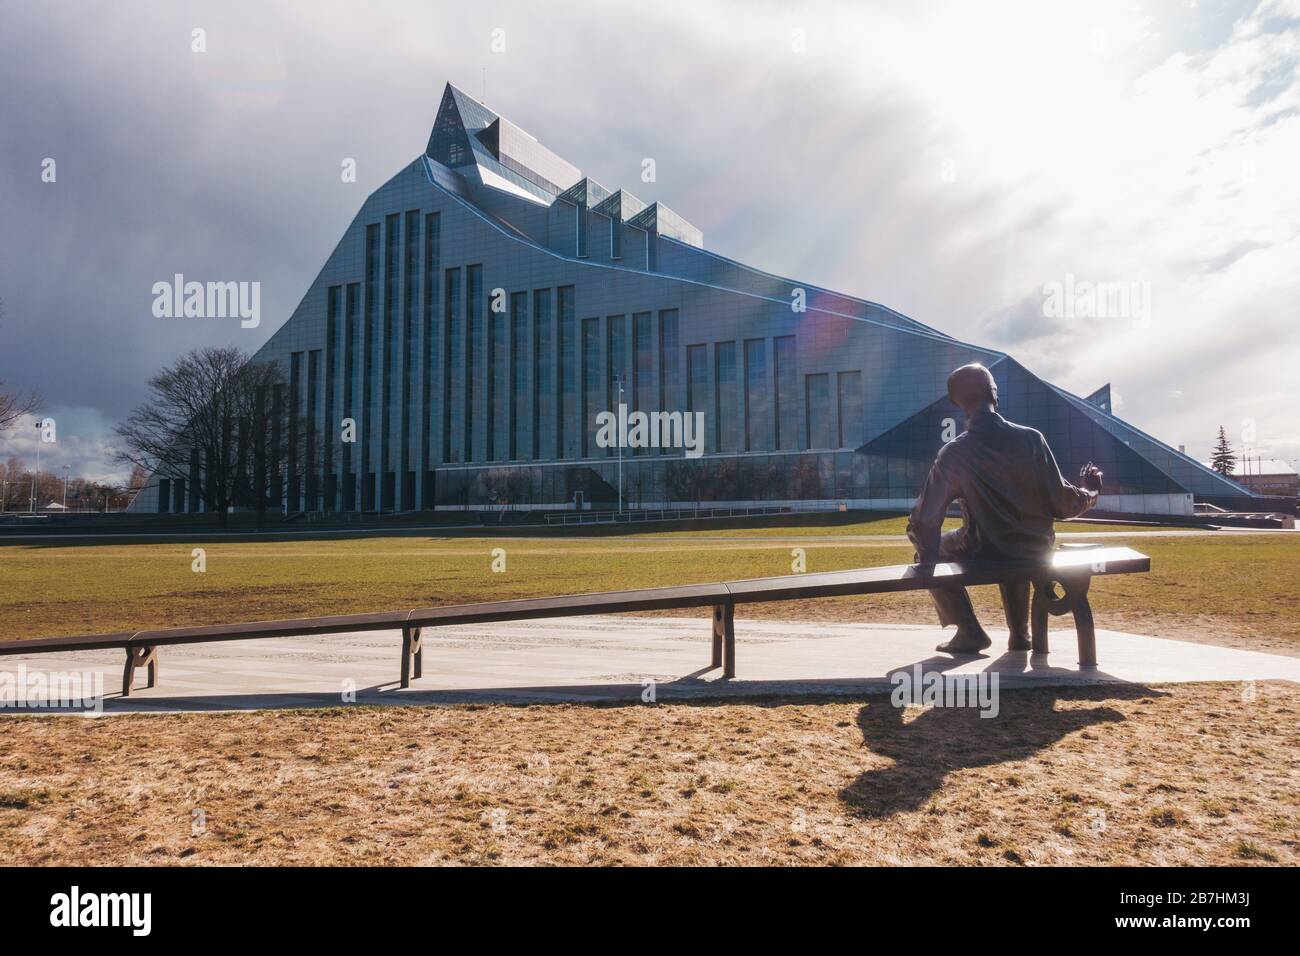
(702, 687)
(941, 740)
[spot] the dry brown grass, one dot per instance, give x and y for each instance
(1177, 774)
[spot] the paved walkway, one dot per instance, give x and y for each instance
(594, 658)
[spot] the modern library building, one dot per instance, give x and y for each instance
(490, 309)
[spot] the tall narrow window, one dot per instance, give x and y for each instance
(311, 451)
(616, 366)
(697, 382)
(429, 341)
(277, 446)
(641, 394)
(333, 319)
(592, 396)
(370, 332)
(670, 365)
(352, 309)
(544, 400)
(786, 417)
(850, 409)
(295, 416)
(411, 355)
(453, 370)
(473, 335)
(758, 397)
(498, 387)
(568, 440)
(391, 344)
(817, 401)
(520, 420)
(724, 355)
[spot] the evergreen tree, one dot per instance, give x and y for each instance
(1223, 460)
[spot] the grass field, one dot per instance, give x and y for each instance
(1237, 589)
(1177, 774)
(1126, 774)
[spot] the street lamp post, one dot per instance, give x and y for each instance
(37, 473)
(65, 487)
(620, 445)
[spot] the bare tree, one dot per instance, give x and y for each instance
(210, 414)
(14, 405)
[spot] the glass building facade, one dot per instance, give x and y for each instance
(489, 301)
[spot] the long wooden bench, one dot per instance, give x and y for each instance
(1071, 568)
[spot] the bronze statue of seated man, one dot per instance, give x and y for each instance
(1010, 491)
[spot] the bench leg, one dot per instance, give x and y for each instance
(140, 656)
(729, 640)
(1073, 600)
(1038, 618)
(1083, 626)
(719, 629)
(412, 654)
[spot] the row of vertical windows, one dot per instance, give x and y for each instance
(545, 380)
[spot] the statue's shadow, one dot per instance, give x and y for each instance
(941, 740)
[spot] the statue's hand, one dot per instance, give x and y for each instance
(1090, 477)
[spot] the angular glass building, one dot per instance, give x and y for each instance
(489, 301)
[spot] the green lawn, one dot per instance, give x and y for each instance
(1237, 588)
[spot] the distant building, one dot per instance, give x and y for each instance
(1267, 476)
(491, 304)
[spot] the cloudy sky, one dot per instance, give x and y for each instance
(956, 161)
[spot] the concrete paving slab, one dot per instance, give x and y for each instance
(611, 658)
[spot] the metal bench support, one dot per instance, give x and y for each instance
(724, 638)
(412, 655)
(140, 656)
(1073, 600)
(719, 632)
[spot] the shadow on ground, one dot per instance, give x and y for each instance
(942, 740)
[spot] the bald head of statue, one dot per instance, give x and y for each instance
(972, 388)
